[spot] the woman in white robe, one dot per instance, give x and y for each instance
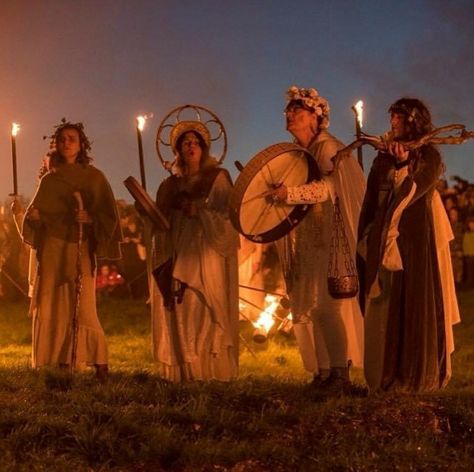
(194, 288)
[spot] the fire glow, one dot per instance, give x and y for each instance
(15, 129)
(359, 108)
(266, 319)
(141, 121)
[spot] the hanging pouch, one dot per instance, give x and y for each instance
(343, 281)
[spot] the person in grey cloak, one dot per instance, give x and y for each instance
(329, 331)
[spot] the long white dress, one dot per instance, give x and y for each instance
(323, 325)
(196, 338)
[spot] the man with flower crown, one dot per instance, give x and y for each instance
(329, 330)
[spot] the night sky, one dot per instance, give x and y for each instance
(104, 62)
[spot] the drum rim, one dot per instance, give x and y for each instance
(244, 180)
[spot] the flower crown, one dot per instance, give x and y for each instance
(311, 99)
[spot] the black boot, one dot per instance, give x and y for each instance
(101, 372)
(320, 378)
(338, 382)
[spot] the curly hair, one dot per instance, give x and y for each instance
(55, 157)
(416, 114)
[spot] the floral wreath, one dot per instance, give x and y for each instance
(311, 99)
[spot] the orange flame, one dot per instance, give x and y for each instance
(359, 107)
(141, 120)
(15, 129)
(266, 320)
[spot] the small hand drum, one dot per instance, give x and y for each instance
(253, 213)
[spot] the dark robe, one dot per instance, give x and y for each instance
(414, 347)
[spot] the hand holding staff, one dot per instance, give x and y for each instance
(382, 143)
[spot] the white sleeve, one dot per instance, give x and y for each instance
(314, 192)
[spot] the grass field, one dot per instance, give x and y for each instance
(268, 419)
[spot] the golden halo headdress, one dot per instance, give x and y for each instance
(204, 122)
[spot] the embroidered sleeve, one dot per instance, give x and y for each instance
(314, 192)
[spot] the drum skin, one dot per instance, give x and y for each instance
(148, 205)
(252, 212)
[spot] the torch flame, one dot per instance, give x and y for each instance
(141, 120)
(15, 129)
(359, 107)
(266, 320)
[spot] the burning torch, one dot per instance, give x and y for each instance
(358, 112)
(141, 120)
(15, 129)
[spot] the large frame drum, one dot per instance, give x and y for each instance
(252, 211)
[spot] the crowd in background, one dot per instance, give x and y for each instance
(125, 278)
(459, 203)
(128, 278)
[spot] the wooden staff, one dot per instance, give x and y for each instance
(78, 288)
(381, 142)
(255, 289)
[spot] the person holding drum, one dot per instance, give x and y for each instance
(71, 220)
(329, 330)
(194, 291)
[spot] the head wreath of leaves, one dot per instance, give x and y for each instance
(65, 124)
